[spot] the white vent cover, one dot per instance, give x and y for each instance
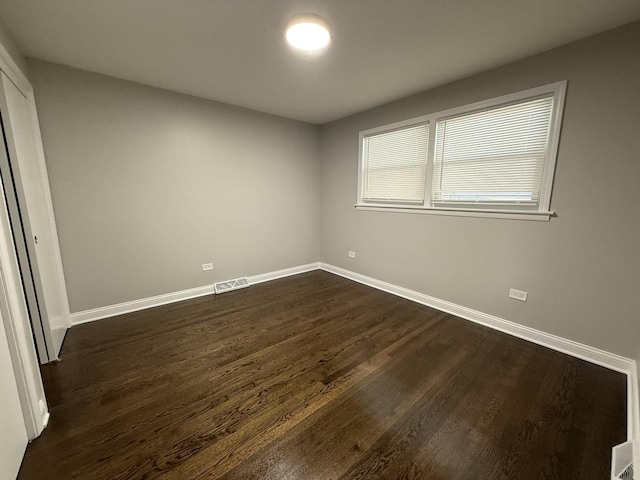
(622, 462)
(229, 285)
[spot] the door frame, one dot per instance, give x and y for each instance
(20, 224)
(19, 333)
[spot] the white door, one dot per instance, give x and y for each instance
(32, 187)
(13, 434)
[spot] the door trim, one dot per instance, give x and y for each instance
(15, 75)
(19, 334)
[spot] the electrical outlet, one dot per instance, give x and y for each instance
(352, 254)
(518, 295)
(207, 266)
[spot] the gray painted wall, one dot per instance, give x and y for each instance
(7, 41)
(582, 268)
(147, 185)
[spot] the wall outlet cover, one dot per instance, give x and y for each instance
(518, 295)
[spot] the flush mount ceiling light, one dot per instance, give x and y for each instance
(308, 33)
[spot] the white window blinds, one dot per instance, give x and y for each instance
(394, 165)
(493, 157)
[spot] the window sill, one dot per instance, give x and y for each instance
(459, 212)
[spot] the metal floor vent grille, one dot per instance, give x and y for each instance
(622, 462)
(229, 285)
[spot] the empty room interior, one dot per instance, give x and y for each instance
(295, 239)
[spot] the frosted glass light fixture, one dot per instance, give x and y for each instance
(308, 33)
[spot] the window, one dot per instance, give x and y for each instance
(395, 165)
(494, 158)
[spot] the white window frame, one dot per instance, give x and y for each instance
(543, 213)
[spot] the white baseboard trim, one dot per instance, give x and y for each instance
(575, 349)
(135, 305)
(579, 350)
(285, 272)
(633, 411)
(45, 420)
(150, 302)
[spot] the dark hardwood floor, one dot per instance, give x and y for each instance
(318, 377)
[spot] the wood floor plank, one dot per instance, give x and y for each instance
(315, 376)
(395, 454)
(366, 407)
(249, 404)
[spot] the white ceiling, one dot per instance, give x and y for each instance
(233, 50)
